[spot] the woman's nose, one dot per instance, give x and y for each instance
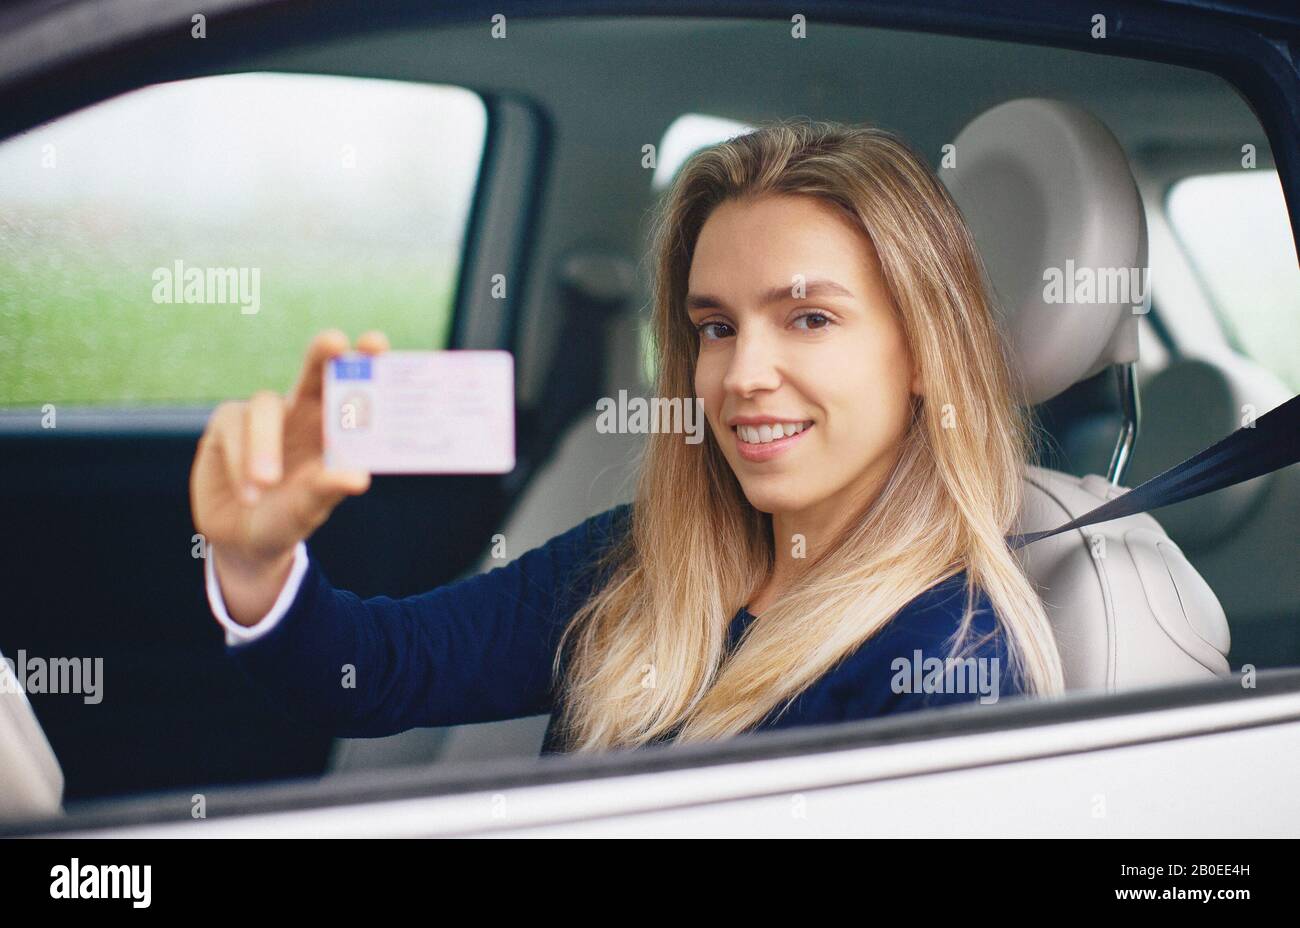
(753, 365)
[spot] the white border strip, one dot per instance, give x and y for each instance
(532, 806)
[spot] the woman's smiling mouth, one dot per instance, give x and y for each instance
(759, 443)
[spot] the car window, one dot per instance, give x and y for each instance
(685, 135)
(1235, 230)
(180, 244)
(349, 198)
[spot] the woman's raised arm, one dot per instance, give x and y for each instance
(476, 650)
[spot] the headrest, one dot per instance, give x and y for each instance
(1056, 215)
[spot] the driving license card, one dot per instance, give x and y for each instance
(421, 412)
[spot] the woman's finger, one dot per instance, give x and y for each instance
(264, 438)
(373, 342)
(341, 481)
(228, 437)
(328, 344)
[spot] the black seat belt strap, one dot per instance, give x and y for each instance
(1271, 443)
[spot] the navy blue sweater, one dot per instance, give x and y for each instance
(481, 649)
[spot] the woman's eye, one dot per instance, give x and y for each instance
(822, 316)
(704, 328)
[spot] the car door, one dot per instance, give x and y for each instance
(177, 261)
(115, 529)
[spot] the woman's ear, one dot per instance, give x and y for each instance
(916, 382)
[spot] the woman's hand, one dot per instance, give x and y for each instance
(259, 484)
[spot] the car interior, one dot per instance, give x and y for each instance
(1058, 153)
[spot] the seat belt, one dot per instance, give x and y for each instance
(1270, 444)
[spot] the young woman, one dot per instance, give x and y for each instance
(839, 531)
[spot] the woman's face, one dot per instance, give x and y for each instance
(832, 358)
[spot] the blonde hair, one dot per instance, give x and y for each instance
(643, 658)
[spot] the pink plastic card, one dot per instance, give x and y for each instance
(421, 412)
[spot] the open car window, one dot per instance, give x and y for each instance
(181, 243)
(177, 244)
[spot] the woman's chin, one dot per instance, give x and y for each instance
(765, 497)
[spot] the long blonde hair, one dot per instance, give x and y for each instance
(643, 657)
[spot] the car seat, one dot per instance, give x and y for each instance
(31, 780)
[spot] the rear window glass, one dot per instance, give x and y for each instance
(180, 244)
(1235, 229)
(685, 135)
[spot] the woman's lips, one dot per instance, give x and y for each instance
(766, 450)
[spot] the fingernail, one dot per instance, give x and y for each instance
(264, 466)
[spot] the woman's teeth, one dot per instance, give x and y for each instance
(761, 434)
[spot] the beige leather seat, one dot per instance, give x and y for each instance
(1040, 182)
(31, 780)
(1043, 183)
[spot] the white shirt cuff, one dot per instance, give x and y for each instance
(243, 634)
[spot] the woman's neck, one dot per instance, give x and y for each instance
(797, 539)
(800, 537)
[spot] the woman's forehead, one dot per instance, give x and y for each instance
(749, 250)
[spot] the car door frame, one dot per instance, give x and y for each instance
(48, 55)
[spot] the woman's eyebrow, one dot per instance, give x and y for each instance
(811, 289)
